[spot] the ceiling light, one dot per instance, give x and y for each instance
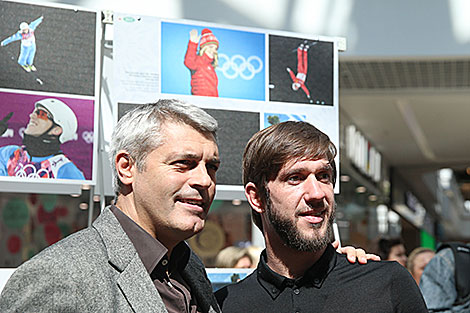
(467, 205)
(344, 178)
(361, 189)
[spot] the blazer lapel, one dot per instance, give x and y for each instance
(195, 275)
(139, 290)
(133, 280)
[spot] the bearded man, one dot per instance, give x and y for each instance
(289, 175)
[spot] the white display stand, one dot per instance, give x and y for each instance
(5, 274)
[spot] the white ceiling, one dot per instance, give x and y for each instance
(424, 129)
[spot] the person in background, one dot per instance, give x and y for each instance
(417, 261)
(392, 249)
(289, 174)
(445, 282)
(254, 252)
(233, 257)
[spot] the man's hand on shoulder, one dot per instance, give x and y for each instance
(354, 254)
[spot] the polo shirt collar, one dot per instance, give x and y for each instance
(274, 284)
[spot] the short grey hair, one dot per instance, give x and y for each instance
(139, 131)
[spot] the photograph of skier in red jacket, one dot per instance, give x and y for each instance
(202, 63)
(298, 81)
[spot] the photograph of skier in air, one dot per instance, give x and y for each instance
(298, 80)
(202, 63)
(28, 44)
(301, 63)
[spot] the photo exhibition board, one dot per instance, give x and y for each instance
(246, 78)
(49, 87)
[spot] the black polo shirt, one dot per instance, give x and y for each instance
(165, 273)
(332, 284)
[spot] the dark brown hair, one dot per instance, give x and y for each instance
(384, 246)
(269, 149)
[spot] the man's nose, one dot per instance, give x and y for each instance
(200, 177)
(313, 189)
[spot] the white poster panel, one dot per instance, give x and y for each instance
(259, 78)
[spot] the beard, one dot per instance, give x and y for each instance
(292, 237)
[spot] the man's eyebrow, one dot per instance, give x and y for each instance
(326, 167)
(183, 155)
(193, 156)
(294, 170)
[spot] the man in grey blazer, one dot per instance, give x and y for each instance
(134, 257)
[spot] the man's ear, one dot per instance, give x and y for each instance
(56, 131)
(252, 195)
(125, 167)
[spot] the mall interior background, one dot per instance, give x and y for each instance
(404, 94)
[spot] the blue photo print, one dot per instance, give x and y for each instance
(276, 118)
(212, 62)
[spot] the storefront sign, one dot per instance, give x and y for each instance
(363, 154)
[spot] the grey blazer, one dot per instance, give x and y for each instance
(95, 270)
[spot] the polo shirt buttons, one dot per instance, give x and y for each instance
(296, 291)
(274, 290)
(164, 262)
(316, 281)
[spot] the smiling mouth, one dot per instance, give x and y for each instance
(199, 203)
(313, 213)
(313, 217)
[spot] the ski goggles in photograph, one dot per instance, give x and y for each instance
(43, 114)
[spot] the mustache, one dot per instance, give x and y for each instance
(202, 196)
(318, 207)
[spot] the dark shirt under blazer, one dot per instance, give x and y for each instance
(95, 270)
(331, 285)
(165, 273)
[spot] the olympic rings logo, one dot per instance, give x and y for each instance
(22, 171)
(237, 65)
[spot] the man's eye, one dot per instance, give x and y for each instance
(294, 178)
(212, 167)
(325, 177)
(183, 163)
